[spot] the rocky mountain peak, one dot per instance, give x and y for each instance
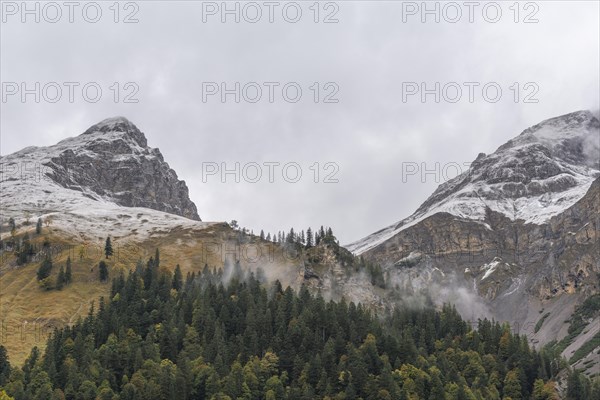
(571, 137)
(533, 177)
(110, 162)
(118, 124)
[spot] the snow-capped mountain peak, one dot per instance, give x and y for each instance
(116, 125)
(536, 175)
(105, 171)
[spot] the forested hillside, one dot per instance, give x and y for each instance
(165, 336)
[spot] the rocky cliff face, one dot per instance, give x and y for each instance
(531, 178)
(110, 163)
(529, 212)
(114, 161)
(516, 234)
(104, 181)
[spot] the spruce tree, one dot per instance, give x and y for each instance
(575, 387)
(4, 366)
(45, 269)
(177, 283)
(103, 271)
(309, 238)
(38, 226)
(68, 272)
(108, 250)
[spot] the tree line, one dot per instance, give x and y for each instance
(162, 336)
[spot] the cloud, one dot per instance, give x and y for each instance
(368, 54)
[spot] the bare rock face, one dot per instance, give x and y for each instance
(518, 232)
(112, 161)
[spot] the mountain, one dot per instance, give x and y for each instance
(515, 237)
(105, 182)
(532, 177)
(108, 172)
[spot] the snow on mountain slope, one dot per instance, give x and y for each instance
(533, 177)
(90, 184)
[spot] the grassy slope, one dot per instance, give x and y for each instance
(28, 313)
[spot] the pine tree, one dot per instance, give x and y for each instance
(268, 237)
(103, 271)
(38, 226)
(157, 258)
(512, 385)
(108, 249)
(45, 269)
(309, 238)
(12, 225)
(575, 387)
(177, 278)
(4, 366)
(68, 272)
(291, 236)
(262, 234)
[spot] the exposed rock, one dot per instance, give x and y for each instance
(519, 229)
(114, 161)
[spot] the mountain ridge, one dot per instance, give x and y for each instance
(108, 170)
(522, 179)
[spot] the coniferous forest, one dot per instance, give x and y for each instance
(164, 336)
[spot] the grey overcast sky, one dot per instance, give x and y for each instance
(366, 60)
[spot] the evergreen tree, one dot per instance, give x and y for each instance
(251, 339)
(108, 249)
(575, 386)
(12, 225)
(24, 251)
(262, 234)
(45, 269)
(4, 366)
(512, 385)
(68, 272)
(291, 236)
(177, 283)
(103, 271)
(38, 226)
(309, 238)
